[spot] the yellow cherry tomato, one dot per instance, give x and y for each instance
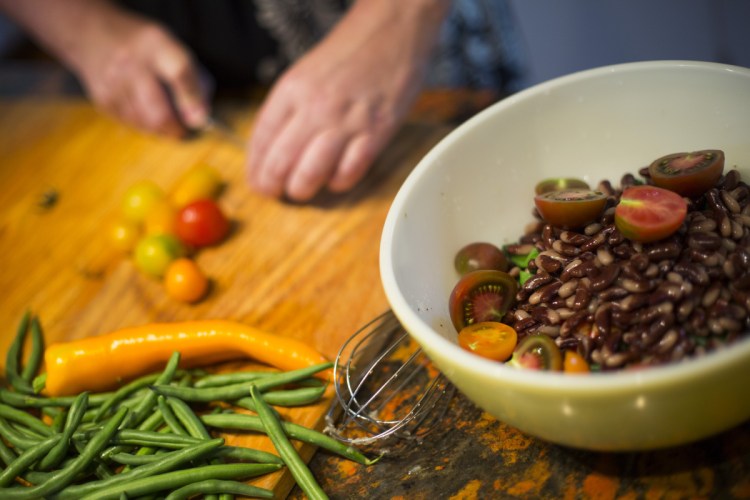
(139, 199)
(185, 281)
(199, 182)
(489, 339)
(575, 363)
(124, 235)
(155, 252)
(161, 219)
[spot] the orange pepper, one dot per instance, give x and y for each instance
(105, 361)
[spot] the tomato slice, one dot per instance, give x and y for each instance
(480, 296)
(489, 339)
(688, 174)
(570, 208)
(560, 184)
(649, 213)
(537, 352)
(480, 255)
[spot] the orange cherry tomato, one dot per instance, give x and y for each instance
(185, 281)
(490, 339)
(161, 218)
(648, 213)
(575, 363)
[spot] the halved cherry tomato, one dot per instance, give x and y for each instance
(185, 281)
(489, 339)
(575, 363)
(202, 223)
(537, 352)
(570, 208)
(480, 255)
(481, 296)
(688, 174)
(559, 184)
(648, 213)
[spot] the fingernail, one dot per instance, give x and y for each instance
(196, 116)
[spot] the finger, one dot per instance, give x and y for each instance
(271, 173)
(356, 160)
(153, 109)
(271, 120)
(175, 68)
(315, 165)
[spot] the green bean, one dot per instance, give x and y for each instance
(124, 392)
(72, 421)
(33, 401)
(176, 479)
(221, 379)
(300, 471)
(145, 438)
(295, 431)
(169, 417)
(61, 478)
(219, 486)
(17, 439)
(188, 419)
(24, 418)
(225, 452)
(58, 422)
(149, 401)
(236, 391)
(13, 358)
(6, 454)
(26, 459)
(31, 367)
(288, 397)
(165, 463)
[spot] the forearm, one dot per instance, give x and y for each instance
(59, 25)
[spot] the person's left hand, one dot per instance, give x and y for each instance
(328, 117)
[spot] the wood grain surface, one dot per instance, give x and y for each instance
(305, 271)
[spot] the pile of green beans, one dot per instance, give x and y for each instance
(153, 437)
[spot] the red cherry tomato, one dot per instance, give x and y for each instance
(481, 296)
(648, 213)
(202, 223)
(688, 174)
(570, 208)
(490, 339)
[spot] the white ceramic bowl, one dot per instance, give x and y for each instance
(477, 185)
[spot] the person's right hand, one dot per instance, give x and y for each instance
(131, 67)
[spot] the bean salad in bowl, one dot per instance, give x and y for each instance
(646, 272)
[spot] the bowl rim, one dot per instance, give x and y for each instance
(619, 381)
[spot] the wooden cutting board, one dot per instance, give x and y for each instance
(305, 271)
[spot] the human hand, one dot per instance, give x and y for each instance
(331, 113)
(131, 67)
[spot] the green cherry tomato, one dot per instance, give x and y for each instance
(201, 223)
(155, 252)
(480, 296)
(649, 213)
(688, 174)
(570, 208)
(139, 200)
(537, 352)
(480, 255)
(560, 184)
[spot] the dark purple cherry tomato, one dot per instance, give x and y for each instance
(537, 352)
(481, 296)
(480, 255)
(570, 208)
(559, 184)
(688, 174)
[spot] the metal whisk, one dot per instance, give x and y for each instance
(386, 386)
